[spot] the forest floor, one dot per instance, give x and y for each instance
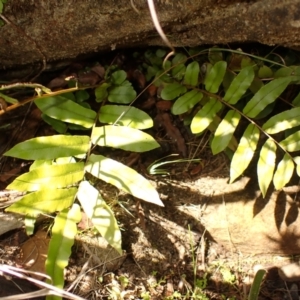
(203, 244)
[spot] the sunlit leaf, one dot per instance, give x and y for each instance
(44, 201)
(245, 151)
(130, 116)
(123, 178)
(266, 165)
(285, 120)
(100, 213)
(297, 161)
(172, 91)
(284, 172)
(123, 94)
(186, 102)
(192, 74)
(205, 115)
(292, 142)
(125, 138)
(54, 176)
(50, 147)
(225, 131)
(214, 77)
(265, 96)
(66, 110)
(239, 85)
(62, 240)
(40, 163)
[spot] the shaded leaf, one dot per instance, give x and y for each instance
(186, 102)
(44, 201)
(118, 77)
(225, 131)
(239, 85)
(54, 176)
(192, 74)
(245, 151)
(214, 77)
(296, 100)
(50, 147)
(285, 120)
(265, 96)
(81, 95)
(125, 138)
(100, 213)
(265, 72)
(266, 165)
(62, 240)
(66, 110)
(205, 115)
(131, 116)
(57, 125)
(284, 172)
(292, 142)
(9, 99)
(172, 91)
(101, 92)
(122, 94)
(123, 178)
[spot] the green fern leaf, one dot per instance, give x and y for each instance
(50, 147)
(125, 138)
(245, 151)
(265, 96)
(215, 76)
(123, 94)
(62, 240)
(297, 161)
(285, 120)
(56, 176)
(63, 109)
(266, 165)
(44, 201)
(172, 91)
(100, 213)
(123, 178)
(192, 74)
(186, 102)
(225, 131)
(284, 172)
(239, 85)
(129, 116)
(292, 142)
(205, 115)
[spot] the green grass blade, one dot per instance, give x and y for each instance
(254, 291)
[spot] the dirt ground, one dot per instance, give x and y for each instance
(207, 242)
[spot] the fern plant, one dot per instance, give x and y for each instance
(220, 92)
(57, 179)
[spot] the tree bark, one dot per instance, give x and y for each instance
(56, 30)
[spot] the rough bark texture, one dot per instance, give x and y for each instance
(65, 28)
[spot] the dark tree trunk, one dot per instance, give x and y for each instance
(55, 30)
